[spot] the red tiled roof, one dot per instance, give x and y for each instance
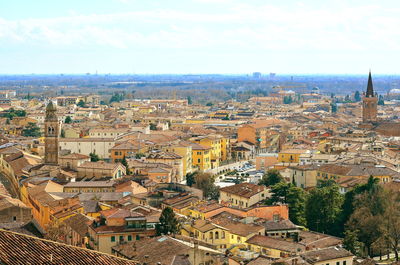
(22, 249)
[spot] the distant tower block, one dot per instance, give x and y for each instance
(51, 131)
(370, 103)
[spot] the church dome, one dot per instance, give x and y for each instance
(50, 106)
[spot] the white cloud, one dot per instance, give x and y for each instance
(241, 26)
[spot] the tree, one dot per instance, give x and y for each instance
(351, 243)
(189, 99)
(205, 182)
(348, 205)
(364, 221)
(11, 113)
(323, 209)
(117, 97)
(226, 118)
(168, 222)
(31, 130)
(381, 101)
(333, 107)
(209, 104)
(94, 157)
(287, 100)
(271, 178)
(125, 164)
(296, 198)
(139, 155)
(293, 196)
(81, 103)
(153, 127)
(390, 225)
(68, 120)
(190, 179)
(62, 134)
(357, 97)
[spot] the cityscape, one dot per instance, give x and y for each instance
(187, 159)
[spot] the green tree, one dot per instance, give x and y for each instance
(81, 103)
(226, 118)
(333, 107)
(349, 205)
(381, 101)
(153, 127)
(357, 96)
(31, 130)
(323, 209)
(190, 179)
(189, 99)
(139, 155)
(351, 243)
(366, 219)
(294, 197)
(11, 113)
(62, 133)
(117, 97)
(94, 157)
(125, 164)
(68, 120)
(271, 178)
(168, 222)
(209, 104)
(205, 182)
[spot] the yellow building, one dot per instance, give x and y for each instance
(219, 147)
(201, 157)
(184, 149)
(209, 233)
(47, 209)
(243, 195)
(291, 155)
(223, 233)
(272, 247)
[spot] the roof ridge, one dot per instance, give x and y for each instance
(62, 244)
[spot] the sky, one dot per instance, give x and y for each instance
(199, 36)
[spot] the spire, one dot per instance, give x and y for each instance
(370, 87)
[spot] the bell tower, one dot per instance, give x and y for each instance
(370, 103)
(51, 132)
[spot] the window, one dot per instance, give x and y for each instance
(137, 237)
(121, 238)
(113, 239)
(344, 262)
(216, 235)
(211, 235)
(14, 218)
(129, 238)
(337, 263)
(198, 160)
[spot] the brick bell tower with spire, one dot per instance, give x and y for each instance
(51, 132)
(370, 103)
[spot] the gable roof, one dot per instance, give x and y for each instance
(246, 190)
(22, 249)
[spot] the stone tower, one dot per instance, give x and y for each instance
(370, 103)
(51, 131)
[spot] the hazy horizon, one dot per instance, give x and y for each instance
(199, 36)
